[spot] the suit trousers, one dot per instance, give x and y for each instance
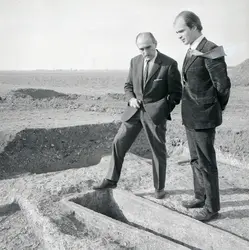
(125, 137)
(204, 166)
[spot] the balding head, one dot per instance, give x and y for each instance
(146, 36)
(146, 43)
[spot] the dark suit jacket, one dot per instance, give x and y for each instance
(162, 90)
(206, 89)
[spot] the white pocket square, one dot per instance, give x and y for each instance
(159, 79)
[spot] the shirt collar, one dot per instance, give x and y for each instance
(195, 44)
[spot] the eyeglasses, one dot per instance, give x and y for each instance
(145, 48)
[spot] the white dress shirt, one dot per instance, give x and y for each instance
(151, 62)
(195, 44)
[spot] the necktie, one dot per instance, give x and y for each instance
(146, 70)
(187, 57)
(189, 53)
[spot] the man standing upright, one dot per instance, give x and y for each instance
(153, 88)
(206, 90)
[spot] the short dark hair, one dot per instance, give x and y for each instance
(191, 19)
(149, 34)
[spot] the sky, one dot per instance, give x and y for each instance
(100, 34)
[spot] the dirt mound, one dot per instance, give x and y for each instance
(50, 94)
(30, 99)
(42, 94)
(240, 74)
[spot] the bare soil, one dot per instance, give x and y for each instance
(56, 132)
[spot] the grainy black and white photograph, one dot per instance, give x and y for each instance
(124, 124)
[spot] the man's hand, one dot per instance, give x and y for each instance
(135, 103)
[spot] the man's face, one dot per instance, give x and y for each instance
(184, 33)
(146, 47)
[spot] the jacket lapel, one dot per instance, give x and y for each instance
(156, 66)
(140, 66)
(187, 63)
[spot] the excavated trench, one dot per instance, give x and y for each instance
(48, 150)
(69, 224)
(117, 212)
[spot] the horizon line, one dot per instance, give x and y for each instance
(1, 70)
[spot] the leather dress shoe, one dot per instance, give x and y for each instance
(106, 184)
(194, 203)
(159, 194)
(205, 215)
